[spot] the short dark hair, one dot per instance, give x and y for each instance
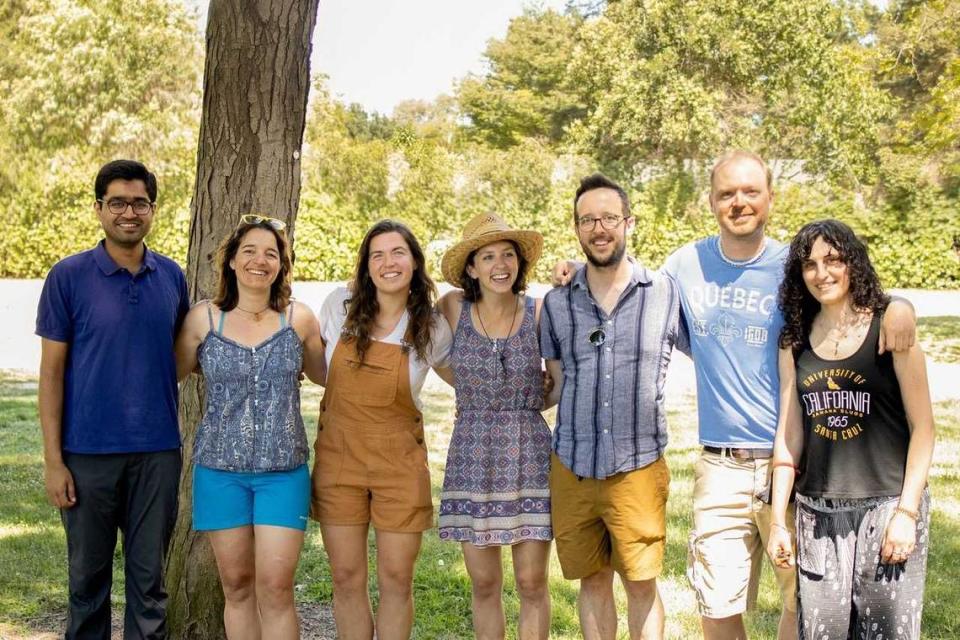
(471, 288)
(124, 170)
(600, 181)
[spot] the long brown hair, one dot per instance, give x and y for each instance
(362, 306)
(227, 293)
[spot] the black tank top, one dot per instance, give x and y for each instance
(854, 424)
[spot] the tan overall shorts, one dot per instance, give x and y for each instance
(371, 460)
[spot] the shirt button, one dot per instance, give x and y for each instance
(607, 376)
(609, 321)
(606, 404)
(609, 349)
(606, 430)
(255, 378)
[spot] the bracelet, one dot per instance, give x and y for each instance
(913, 515)
(785, 464)
(779, 526)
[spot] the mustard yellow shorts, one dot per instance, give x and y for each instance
(730, 529)
(371, 476)
(620, 521)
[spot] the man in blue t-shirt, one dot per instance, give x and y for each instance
(108, 318)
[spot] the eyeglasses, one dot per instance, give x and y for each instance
(256, 218)
(597, 336)
(117, 206)
(608, 222)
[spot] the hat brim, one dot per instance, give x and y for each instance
(454, 260)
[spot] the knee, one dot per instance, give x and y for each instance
(486, 586)
(274, 592)
(349, 579)
(238, 586)
(531, 585)
(598, 583)
(396, 581)
(641, 590)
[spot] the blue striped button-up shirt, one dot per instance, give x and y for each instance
(611, 417)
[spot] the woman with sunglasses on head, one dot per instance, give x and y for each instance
(382, 336)
(495, 491)
(251, 485)
(856, 437)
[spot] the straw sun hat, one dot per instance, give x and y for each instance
(482, 230)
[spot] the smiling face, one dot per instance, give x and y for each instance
(495, 267)
(740, 198)
(257, 261)
(603, 247)
(390, 263)
(126, 229)
(826, 274)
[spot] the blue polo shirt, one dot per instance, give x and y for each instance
(120, 383)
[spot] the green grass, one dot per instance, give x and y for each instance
(940, 337)
(33, 558)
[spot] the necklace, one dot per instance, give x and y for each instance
(497, 351)
(857, 324)
(740, 263)
(254, 314)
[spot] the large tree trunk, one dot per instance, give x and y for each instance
(255, 86)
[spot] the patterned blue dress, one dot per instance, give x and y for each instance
(495, 491)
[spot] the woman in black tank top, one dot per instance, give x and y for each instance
(856, 434)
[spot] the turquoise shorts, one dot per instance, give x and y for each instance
(228, 499)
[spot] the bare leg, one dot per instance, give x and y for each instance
(530, 562)
(346, 546)
(396, 557)
(277, 550)
(729, 628)
(644, 609)
(234, 551)
(486, 581)
(787, 630)
(598, 612)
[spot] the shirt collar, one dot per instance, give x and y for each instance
(109, 267)
(638, 276)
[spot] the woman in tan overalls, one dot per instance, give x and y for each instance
(381, 337)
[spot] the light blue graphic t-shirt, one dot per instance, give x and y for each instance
(734, 323)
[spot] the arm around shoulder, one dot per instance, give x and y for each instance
(194, 330)
(307, 327)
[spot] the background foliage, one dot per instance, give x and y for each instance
(859, 107)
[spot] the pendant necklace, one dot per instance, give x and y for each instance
(254, 314)
(497, 346)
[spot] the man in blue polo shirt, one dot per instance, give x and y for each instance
(108, 318)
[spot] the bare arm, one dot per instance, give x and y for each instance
(787, 451)
(555, 371)
(57, 478)
(192, 333)
(450, 305)
(314, 357)
(898, 331)
(911, 370)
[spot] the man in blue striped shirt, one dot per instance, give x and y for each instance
(607, 338)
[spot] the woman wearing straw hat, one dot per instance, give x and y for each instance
(495, 491)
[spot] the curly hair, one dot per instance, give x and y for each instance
(362, 306)
(798, 305)
(227, 292)
(471, 288)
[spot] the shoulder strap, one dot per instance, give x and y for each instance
(223, 315)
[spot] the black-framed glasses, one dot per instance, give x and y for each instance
(117, 206)
(256, 218)
(609, 222)
(597, 336)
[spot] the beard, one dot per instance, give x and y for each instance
(619, 250)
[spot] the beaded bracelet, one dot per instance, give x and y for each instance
(913, 515)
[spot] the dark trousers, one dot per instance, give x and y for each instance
(135, 493)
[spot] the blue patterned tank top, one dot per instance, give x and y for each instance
(252, 420)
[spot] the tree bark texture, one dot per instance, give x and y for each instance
(256, 81)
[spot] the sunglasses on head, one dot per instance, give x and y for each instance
(256, 218)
